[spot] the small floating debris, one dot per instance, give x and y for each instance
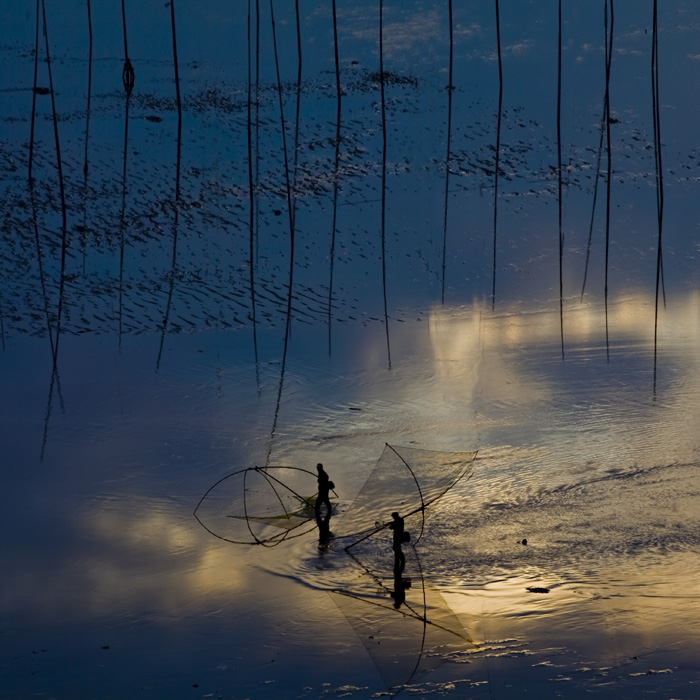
(154, 118)
(537, 589)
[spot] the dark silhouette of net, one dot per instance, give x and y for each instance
(268, 505)
(406, 480)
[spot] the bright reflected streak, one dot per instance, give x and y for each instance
(468, 332)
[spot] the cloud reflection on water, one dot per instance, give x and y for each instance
(547, 430)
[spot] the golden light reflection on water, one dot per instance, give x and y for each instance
(148, 557)
(140, 540)
(641, 608)
(476, 330)
(136, 562)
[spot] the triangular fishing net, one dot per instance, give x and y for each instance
(406, 480)
(406, 627)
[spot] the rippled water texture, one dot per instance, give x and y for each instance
(242, 271)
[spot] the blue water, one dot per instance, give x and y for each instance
(143, 356)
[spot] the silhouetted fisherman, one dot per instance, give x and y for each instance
(324, 487)
(400, 536)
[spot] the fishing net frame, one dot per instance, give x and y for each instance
(391, 472)
(274, 483)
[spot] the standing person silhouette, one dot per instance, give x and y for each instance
(399, 538)
(324, 486)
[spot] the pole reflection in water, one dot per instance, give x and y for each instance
(592, 461)
(658, 166)
(497, 153)
(251, 198)
(84, 228)
(559, 184)
(450, 88)
(336, 161)
(382, 78)
(609, 11)
(55, 337)
(34, 93)
(122, 220)
(176, 199)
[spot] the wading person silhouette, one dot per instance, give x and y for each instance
(324, 487)
(400, 536)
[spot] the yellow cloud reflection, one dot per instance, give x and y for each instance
(172, 559)
(635, 610)
(629, 316)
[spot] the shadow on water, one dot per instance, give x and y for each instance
(403, 622)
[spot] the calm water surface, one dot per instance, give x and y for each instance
(133, 379)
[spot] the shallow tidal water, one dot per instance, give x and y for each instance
(173, 331)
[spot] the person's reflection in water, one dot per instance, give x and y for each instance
(400, 586)
(400, 536)
(324, 529)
